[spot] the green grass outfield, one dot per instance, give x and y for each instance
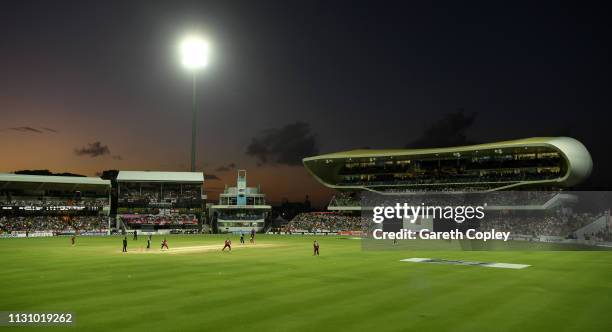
(285, 288)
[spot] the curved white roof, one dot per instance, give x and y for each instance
(154, 176)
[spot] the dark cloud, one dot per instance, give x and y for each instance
(210, 177)
(45, 172)
(225, 168)
(94, 149)
(26, 129)
(286, 145)
(451, 130)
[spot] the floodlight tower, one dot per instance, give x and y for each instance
(194, 57)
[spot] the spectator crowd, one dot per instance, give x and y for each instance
(55, 202)
(55, 224)
(177, 219)
(315, 222)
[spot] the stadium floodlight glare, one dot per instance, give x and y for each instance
(194, 53)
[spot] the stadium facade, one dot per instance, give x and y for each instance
(540, 162)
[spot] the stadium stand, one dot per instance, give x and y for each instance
(542, 162)
(521, 183)
(35, 205)
(160, 201)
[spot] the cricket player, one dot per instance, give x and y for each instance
(164, 244)
(253, 235)
(241, 238)
(228, 244)
(125, 244)
(315, 247)
(72, 239)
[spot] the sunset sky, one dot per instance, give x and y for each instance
(87, 86)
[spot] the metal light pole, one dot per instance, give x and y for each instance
(193, 125)
(194, 53)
